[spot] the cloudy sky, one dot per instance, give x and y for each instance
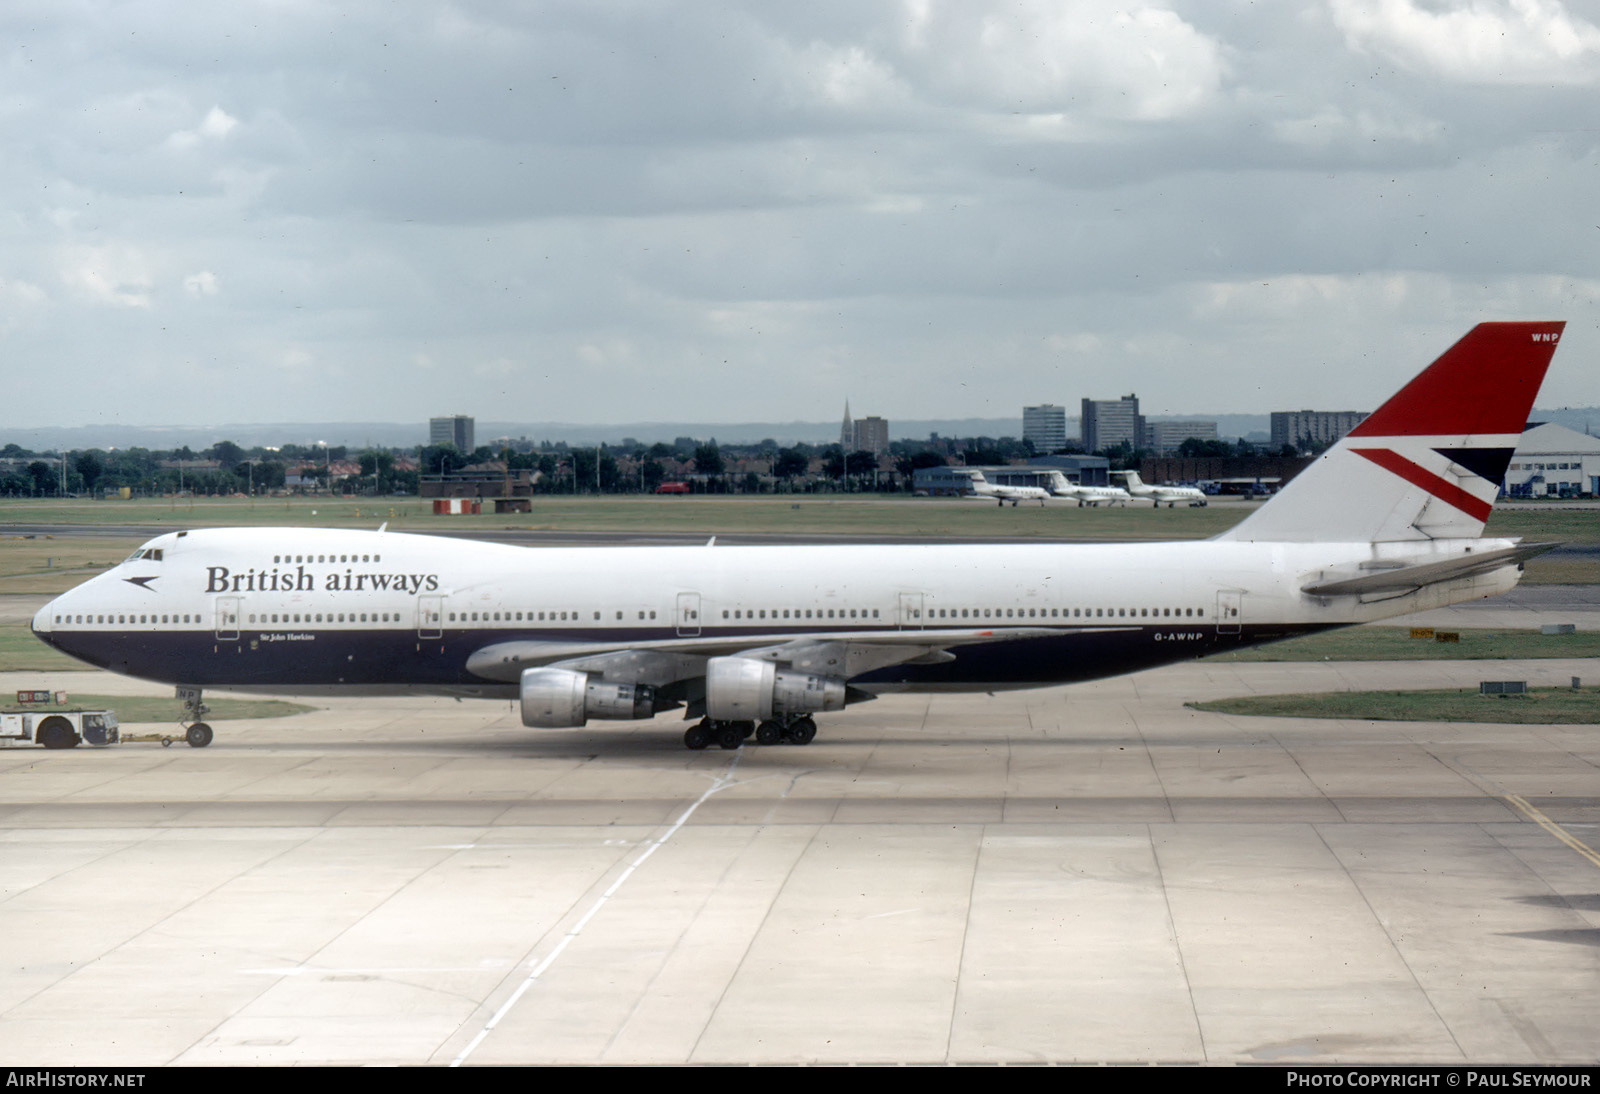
(306, 210)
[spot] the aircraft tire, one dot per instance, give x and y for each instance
(697, 736)
(769, 733)
(198, 735)
(730, 736)
(802, 731)
(56, 733)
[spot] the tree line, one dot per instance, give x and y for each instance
(560, 468)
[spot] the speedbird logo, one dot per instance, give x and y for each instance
(1488, 464)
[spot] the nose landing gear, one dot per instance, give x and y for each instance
(197, 733)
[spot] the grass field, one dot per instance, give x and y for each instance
(167, 708)
(44, 564)
(1539, 706)
(20, 651)
(773, 514)
(777, 514)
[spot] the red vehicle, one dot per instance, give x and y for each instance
(673, 488)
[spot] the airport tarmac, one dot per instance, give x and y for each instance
(1081, 874)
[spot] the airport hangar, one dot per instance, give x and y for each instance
(956, 480)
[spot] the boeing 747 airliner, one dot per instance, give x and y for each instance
(757, 640)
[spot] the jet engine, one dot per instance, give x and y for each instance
(742, 689)
(563, 699)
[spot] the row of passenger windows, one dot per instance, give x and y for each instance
(282, 559)
(69, 620)
(772, 613)
(327, 617)
(1061, 613)
(648, 615)
(644, 614)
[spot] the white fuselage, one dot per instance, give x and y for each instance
(258, 608)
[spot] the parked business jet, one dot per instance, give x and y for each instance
(983, 488)
(758, 640)
(1093, 495)
(1172, 495)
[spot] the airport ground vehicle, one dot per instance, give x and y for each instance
(58, 728)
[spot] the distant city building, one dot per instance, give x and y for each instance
(1164, 438)
(456, 430)
(1107, 423)
(1303, 428)
(871, 435)
(847, 430)
(1045, 426)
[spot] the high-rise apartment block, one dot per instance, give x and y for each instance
(1302, 428)
(871, 435)
(456, 429)
(1045, 426)
(1164, 437)
(1107, 423)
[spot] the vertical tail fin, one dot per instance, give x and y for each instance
(1428, 463)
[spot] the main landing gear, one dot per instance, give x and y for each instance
(798, 730)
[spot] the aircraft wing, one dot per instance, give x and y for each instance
(671, 659)
(1402, 578)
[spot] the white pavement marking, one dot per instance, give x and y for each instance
(722, 782)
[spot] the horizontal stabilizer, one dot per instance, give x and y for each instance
(1429, 573)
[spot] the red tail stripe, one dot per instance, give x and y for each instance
(1417, 475)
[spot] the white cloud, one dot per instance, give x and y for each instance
(704, 213)
(848, 77)
(498, 367)
(1097, 57)
(203, 283)
(1363, 304)
(215, 126)
(16, 299)
(1333, 126)
(117, 275)
(1483, 41)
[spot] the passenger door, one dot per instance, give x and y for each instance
(1229, 610)
(688, 615)
(430, 613)
(227, 618)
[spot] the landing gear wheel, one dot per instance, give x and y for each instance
(697, 736)
(801, 731)
(198, 735)
(731, 735)
(769, 733)
(56, 733)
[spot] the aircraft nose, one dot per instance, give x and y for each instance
(42, 620)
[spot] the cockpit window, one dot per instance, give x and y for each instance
(153, 554)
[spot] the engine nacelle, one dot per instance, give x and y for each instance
(742, 689)
(563, 699)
